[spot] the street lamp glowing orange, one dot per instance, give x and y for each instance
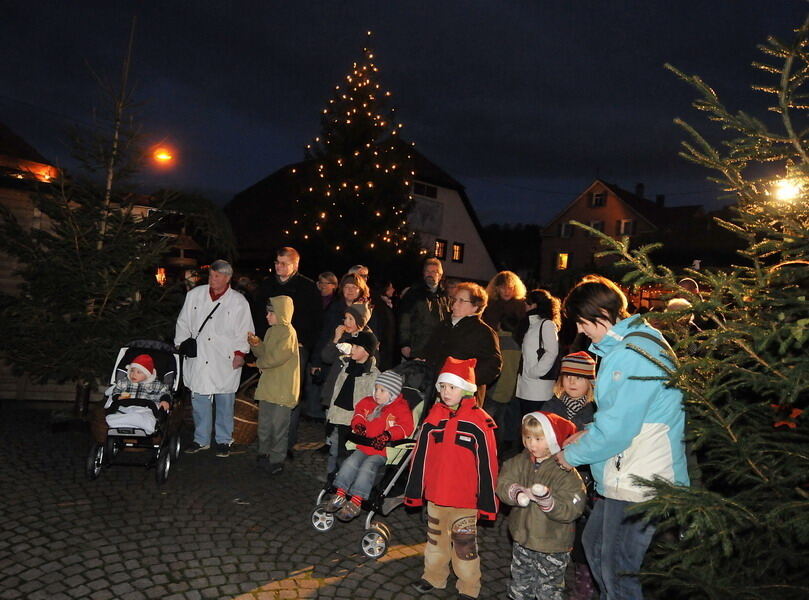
(163, 155)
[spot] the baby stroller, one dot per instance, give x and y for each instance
(388, 492)
(161, 443)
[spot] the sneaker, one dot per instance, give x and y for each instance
(336, 503)
(195, 447)
(349, 511)
(422, 586)
(223, 450)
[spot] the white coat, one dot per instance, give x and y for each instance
(212, 372)
(529, 384)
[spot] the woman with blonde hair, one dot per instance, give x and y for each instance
(504, 314)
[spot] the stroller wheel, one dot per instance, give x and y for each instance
(322, 520)
(95, 461)
(175, 446)
(374, 542)
(163, 465)
(112, 448)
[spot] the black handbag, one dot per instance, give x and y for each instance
(553, 372)
(188, 347)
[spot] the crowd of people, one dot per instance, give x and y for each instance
(553, 432)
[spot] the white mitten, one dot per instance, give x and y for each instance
(539, 490)
(542, 496)
(344, 348)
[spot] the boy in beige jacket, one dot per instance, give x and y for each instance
(279, 385)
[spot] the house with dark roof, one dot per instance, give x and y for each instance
(569, 251)
(442, 216)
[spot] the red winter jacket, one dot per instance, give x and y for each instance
(455, 460)
(396, 419)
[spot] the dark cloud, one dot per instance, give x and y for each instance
(514, 98)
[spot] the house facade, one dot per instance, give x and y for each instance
(568, 251)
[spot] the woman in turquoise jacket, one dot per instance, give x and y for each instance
(637, 432)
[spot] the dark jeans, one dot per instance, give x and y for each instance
(616, 544)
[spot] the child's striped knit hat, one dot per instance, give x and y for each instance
(391, 381)
(580, 364)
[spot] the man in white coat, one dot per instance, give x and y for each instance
(218, 317)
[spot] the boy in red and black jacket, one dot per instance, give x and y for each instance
(454, 468)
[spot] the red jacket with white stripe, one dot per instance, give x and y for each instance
(455, 460)
(396, 419)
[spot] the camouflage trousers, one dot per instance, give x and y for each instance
(537, 574)
(452, 539)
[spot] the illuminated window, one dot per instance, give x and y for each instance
(440, 249)
(561, 261)
(624, 227)
(598, 199)
(457, 252)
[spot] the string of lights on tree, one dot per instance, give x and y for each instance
(356, 192)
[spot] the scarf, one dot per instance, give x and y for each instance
(573, 405)
(345, 397)
(378, 409)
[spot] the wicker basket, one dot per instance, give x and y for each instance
(245, 421)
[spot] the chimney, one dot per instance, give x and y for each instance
(639, 189)
(660, 200)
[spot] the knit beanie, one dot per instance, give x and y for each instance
(361, 313)
(144, 364)
(580, 364)
(391, 381)
(555, 428)
(367, 340)
(460, 373)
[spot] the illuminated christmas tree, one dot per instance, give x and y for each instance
(355, 194)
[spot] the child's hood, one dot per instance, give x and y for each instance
(283, 307)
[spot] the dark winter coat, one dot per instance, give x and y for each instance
(420, 312)
(308, 316)
(580, 419)
(469, 338)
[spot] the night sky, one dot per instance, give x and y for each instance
(524, 102)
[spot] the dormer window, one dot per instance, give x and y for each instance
(598, 199)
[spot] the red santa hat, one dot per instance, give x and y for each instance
(145, 364)
(555, 428)
(460, 373)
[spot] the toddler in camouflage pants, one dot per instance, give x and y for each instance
(547, 501)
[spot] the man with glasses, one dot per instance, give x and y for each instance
(464, 335)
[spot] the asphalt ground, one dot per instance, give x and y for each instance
(218, 528)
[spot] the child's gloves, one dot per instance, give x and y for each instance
(522, 496)
(359, 429)
(344, 348)
(542, 496)
(379, 441)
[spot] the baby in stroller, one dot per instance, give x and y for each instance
(136, 398)
(380, 418)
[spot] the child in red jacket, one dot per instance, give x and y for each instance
(454, 468)
(383, 417)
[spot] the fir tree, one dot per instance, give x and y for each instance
(88, 273)
(743, 533)
(355, 196)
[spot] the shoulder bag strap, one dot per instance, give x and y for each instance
(210, 314)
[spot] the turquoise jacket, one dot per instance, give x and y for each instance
(638, 427)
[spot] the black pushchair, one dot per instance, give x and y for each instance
(388, 493)
(161, 443)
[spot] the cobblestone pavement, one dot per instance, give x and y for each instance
(218, 528)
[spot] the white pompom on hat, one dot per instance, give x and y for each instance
(460, 373)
